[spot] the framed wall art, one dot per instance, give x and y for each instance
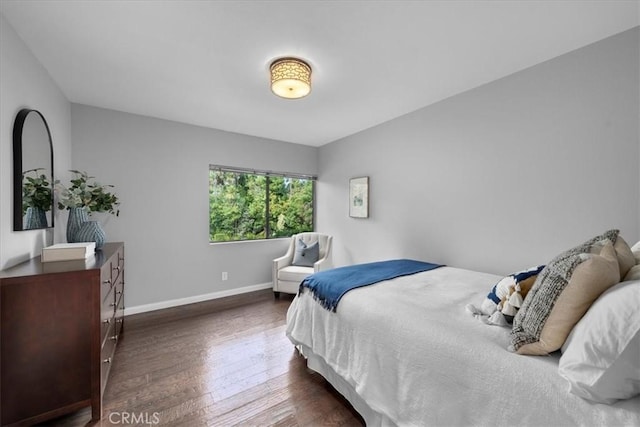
(359, 197)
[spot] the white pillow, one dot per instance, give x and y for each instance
(633, 274)
(601, 356)
(635, 249)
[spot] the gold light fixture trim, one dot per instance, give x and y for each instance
(290, 78)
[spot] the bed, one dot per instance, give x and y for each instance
(405, 352)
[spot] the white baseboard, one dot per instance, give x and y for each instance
(198, 298)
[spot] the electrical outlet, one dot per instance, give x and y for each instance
(225, 275)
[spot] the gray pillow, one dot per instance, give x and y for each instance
(305, 256)
(562, 293)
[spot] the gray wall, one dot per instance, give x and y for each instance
(496, 179)
(160, 170)
(24, 83)
(501, 177)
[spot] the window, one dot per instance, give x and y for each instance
(253, 205)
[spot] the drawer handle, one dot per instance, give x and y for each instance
(107, 321)
(118, 292)
(120, 320)
(107, 360)
(113, 304)
(107, 282)
(114, 338)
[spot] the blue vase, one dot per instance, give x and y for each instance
(77, 217)
(91, 231)
(35, 218)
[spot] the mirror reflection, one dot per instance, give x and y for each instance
(33, 172)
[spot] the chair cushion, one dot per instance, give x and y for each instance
(294, 273)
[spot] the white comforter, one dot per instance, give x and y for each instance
(410, 353)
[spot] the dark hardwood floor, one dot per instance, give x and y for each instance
(218, 363)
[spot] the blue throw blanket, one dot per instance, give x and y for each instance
(330, 285)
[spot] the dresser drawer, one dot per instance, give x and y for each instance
(106, 283)
(117, 266)
(119, 315)
(118, 290)
(115, 272)
(106, 355)
(106, 321)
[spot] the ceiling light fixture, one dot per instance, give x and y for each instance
(290, 78)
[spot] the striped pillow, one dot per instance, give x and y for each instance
(563, 292)
(503, 294)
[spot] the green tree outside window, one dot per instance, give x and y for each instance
(258, 205)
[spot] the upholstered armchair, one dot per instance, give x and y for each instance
(308, 253)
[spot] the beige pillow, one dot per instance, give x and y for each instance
(626, 258)
(592, 276)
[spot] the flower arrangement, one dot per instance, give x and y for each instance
(36, 190)
(86, 193)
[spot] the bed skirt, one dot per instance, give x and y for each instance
(317, 364)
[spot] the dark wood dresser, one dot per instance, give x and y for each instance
(59, 326)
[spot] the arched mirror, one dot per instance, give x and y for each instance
(32, 172)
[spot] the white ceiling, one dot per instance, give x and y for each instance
(206, 62)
